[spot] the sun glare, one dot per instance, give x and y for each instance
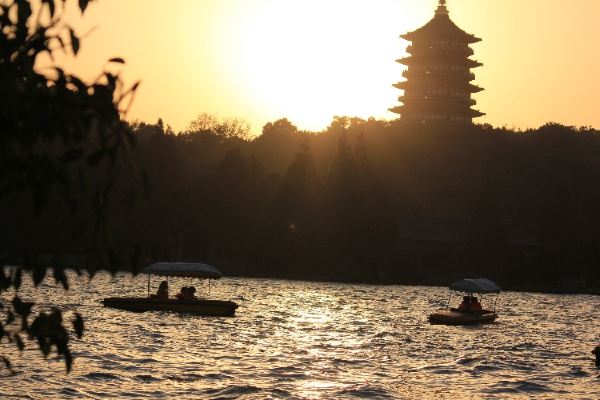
(308, 60)
(311, 60)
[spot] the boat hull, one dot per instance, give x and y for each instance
(452, 317)
(212, 308)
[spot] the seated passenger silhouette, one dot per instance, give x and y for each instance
(474, 304)
(464, 306)
(163, 291)
(183, 294)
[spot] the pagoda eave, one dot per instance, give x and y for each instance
(437, 99)
(416, 60)
(396, 110)
(420, 112)
(404, 85)
(432, 37)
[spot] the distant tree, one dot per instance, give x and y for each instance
(377, 218)
(486, 239)
(226, 128)
(343, 203)
(233, 207)
(344, 123)
(295, 211)
(61, 142)
(282, 127)
(278, 144)
(300, 184)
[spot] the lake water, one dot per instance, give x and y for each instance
(295, 340)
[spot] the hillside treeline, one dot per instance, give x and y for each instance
(363, 200)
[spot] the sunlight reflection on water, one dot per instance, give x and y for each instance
(316, 340)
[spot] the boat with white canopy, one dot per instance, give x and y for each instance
(470, 311)
(161, 302)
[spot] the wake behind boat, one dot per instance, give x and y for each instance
(161, 300)
(470, 311)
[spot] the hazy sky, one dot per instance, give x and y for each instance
(309, 60)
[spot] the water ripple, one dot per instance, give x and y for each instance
(294, 340)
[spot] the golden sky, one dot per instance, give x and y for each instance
(309, 60)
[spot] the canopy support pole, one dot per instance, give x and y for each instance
(209, 288)
(148, 285)
(449, 297)
(496, 301)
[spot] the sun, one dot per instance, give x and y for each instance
(310, 60)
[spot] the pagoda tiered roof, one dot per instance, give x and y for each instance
(440, 108)
(440, 27)
(428, 59)
(438, 79)
(453, 84)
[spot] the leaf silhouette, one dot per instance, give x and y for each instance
(59, 276)
(68, 360)
(17, 278)
(19, 341)
(10, 317)
(74, 41)
(83, 5)
(7, 363)
(39, 273)
(78, 325)
(51, 6)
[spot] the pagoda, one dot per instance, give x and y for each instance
(438, 79)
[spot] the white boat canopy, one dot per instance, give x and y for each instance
(481, 285)
(187, 270)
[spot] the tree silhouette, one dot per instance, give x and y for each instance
(293, 218)
(227, 128)
(277, 145)
(62, 144)
(486, 240)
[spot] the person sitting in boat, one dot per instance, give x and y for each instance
(474, 304)
(163, 291)
(183, 293)
(464, 306)
(192, 293)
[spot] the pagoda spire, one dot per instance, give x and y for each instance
(441, 10)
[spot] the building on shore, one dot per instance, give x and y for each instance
(438, 79)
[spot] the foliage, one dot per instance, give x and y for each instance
(61, 145)
(332, 204)
(226, 128)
